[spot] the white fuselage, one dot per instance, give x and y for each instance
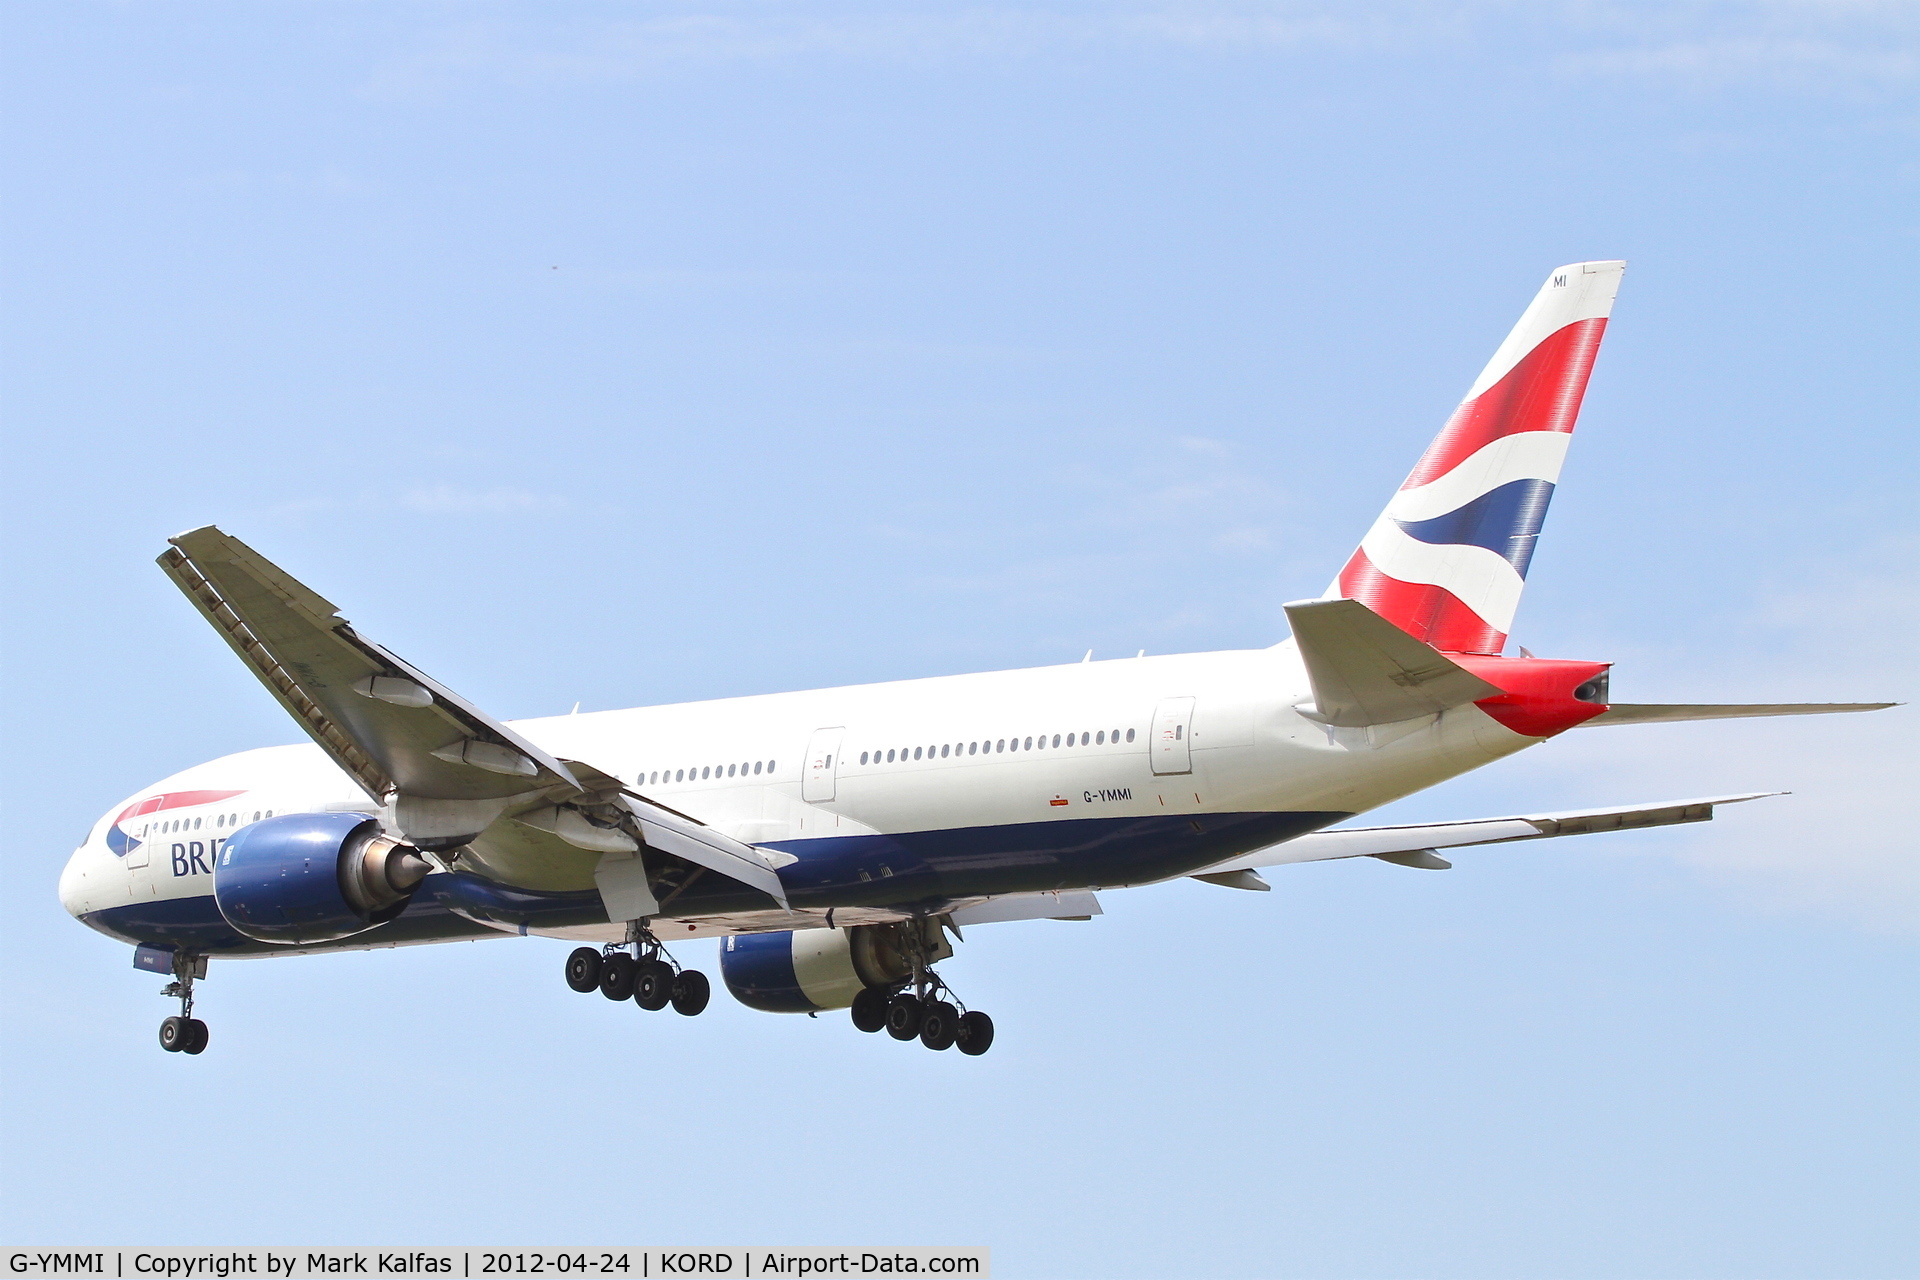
(1123, 758)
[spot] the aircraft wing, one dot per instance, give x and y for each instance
(1415, 846)
(390, 726)
(449, 770)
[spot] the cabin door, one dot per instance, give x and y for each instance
(1171, 740)
(821, 766)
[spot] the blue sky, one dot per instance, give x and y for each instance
(623, 354)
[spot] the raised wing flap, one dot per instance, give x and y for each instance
(1366, 671)
(385, 722)
(701, 845)
(1390, 842)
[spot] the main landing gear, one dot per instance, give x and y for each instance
(924, 1007)
(185, 1033)
(648, 976)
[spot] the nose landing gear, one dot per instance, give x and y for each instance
(185, 1033)
(649, 976)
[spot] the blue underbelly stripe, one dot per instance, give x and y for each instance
(906, 870)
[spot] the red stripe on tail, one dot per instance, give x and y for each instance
(1425, 612)
(1540, 393)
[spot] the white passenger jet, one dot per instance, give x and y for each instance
(841, 840)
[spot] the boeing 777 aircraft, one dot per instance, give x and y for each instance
(841, 840)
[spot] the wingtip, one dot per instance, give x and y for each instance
(182, 536)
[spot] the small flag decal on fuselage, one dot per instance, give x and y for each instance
(1059, 801)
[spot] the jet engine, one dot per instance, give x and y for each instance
(815, 969)
(313, 877)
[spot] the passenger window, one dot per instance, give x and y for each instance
(1056, 739)
(1116, 735)
(769, 766)
(916, 753)
(1001, 745)
(863, 757)
(943, 751)
(889, 756)
(1029, 744)
(731, 768)
(756, 766)
(679, 774)
(972, 747)
(1100, 738)
(1129, 735)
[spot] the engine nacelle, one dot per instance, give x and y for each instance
(815, 969)
(313, 877)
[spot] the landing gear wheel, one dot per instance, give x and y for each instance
(870, 1009)
(175, 1034)
(196, 1037)
(903, 1016)
(976, 1033)
(691, 991)
(939, 1024)
(616, 976)
(583, 970)
(653, 985)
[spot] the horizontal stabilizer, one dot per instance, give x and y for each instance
(1367, 671)
(1658, 713)
(1414, 846)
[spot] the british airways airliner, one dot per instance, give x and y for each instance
(840, 841)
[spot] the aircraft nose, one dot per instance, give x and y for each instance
(74, 885)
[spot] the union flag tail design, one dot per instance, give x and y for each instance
(1446, 561)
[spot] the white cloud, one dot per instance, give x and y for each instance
(1834, 43)
(1844, 844)
(450, 500)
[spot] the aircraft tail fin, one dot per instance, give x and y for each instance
(1447, 560)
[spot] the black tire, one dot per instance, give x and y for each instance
(583, 970)
(616, 976)
(976, 1033)
(870, 1009)
(691, 991)
(904, 1012)
(175, 1035)
(939, 1025)
(196, 1037)
(653, 985)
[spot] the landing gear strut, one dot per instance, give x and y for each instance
(923, 1007)
(185, 1033)
(640, 969)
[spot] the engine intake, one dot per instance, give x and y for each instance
(314, 877)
